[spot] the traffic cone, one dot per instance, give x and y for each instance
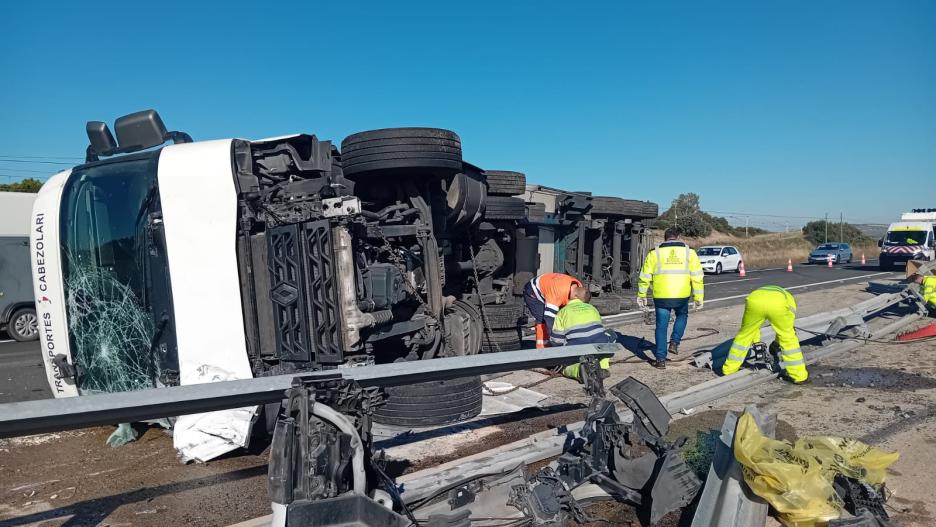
(789, 265)
(829, 262)
(741, 272)
(863, 262)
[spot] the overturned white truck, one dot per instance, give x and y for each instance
(159, 265)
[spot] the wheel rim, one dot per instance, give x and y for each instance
(718, 269)
(27, 325)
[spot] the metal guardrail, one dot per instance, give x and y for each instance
(725, 502)
(50, 415)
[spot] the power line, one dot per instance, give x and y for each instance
(27, 170)
(24, 177)
(36, 162)
(17, 156)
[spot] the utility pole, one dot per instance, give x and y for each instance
(826, 228)
(745, 227)
(841, 226)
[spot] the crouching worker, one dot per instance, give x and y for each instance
(579, 323)
(777, 305)
(544, 296)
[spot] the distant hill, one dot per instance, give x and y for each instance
(872, 230)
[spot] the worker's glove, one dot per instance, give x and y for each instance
(698, 305)
(642, 303)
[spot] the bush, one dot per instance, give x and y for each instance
(815, 232)
(25, 185)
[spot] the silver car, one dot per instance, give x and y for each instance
(839, 252)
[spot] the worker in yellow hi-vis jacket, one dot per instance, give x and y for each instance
(777, 305)
(578, 322)
(674, 272)
(927, 289)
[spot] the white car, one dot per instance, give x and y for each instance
(719, 258)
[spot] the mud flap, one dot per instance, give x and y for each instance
(676, 485)
(647, 407)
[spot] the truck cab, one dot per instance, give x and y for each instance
(193, 262)
(912, 238)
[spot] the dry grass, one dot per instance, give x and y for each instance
(771, 250)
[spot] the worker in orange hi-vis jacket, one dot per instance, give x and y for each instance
(545, 295)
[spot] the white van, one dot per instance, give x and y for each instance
(911, 238)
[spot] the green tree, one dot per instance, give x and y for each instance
(23, 185)
(686, 213)
(815, 232)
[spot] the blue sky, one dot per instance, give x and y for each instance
(793, 108)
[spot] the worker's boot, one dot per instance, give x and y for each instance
(673, 348)
(658, 364)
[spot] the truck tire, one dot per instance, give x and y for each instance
(501, 340)
(504, 316)
(504, 208)
(24, 325)
(431, 403)
(650, 210)
(536, 212)
(423, 149)
(505, 183)
(612, 206)
(607, 305)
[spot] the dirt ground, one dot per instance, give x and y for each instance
(882, 394)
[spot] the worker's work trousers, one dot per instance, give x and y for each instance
(537, 310)
(662, 325)
(574, 371)
(760, 306)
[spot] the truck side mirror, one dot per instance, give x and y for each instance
(881, 242)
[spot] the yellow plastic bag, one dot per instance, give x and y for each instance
(797, 479)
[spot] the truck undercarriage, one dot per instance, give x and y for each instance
(599, 240)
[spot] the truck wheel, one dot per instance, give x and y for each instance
(505, 183)
(24, 325)
(465, 200)
(501, 340)
(504, 208)
(536, 212)
(650, 210)
(612, 206)
(504, 316)
(431, 403)
(423, 149)
(607, 305)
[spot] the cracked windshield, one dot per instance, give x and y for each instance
(104, 250)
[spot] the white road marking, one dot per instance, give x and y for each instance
(632, 313)
(710, 284)
(806, 285)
